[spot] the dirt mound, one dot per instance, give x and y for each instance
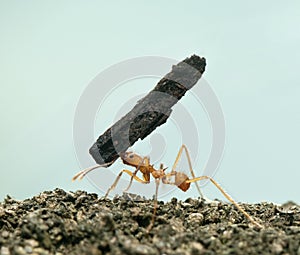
(60, 222)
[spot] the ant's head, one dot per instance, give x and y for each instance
(132, 159)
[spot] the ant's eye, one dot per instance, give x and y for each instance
(131, 156)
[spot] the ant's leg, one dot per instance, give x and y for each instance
(145, 159)
(84, 172)
(157, 181)
(183, 147)
(227, 196)
(118, 178)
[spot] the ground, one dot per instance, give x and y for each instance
(60, 222)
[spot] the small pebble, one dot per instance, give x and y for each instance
(4, 251)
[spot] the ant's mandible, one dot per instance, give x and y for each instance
(180, 179)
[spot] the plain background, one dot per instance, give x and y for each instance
(51, 50)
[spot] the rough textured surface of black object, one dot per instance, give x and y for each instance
(59, 222)
(150, 112)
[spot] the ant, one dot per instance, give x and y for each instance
(180, 179)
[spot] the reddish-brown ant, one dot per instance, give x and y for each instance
(180, 179)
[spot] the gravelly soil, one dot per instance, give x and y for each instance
(60, 222)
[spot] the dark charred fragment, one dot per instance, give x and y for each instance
(150, 112)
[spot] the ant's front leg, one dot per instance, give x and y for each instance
(118, 178)
(145, 163)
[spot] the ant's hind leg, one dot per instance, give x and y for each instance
(183, 147)
(227, 196)
(118, 178)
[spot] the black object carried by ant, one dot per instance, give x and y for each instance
(150, 112)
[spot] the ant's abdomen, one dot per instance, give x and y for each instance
(180, 181)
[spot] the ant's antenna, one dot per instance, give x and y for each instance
(84, 172)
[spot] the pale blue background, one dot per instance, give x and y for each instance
(50, 50)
